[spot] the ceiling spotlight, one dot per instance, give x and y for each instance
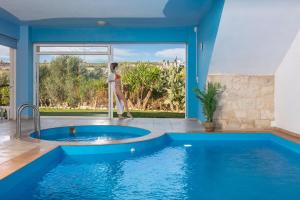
(101, 23)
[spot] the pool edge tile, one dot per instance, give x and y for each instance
(16, 163)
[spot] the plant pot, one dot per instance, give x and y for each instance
(209, 126)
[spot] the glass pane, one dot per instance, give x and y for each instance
(153, 78)
(73, 85)
(4, 76)
(4, 81)
(72, 49)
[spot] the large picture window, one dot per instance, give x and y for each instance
(72, 79)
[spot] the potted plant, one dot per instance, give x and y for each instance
(209, 101)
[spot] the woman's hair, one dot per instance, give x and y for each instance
(113, 66)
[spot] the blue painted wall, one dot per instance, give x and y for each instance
(110, 34)
(191, 100)
(207, 33)
(126, 35)
(24, 80)
(9, 29)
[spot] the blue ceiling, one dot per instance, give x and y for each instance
(177, 13)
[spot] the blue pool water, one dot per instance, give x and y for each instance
(206, 167)
(91, 133)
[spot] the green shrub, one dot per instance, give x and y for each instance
(208, 98)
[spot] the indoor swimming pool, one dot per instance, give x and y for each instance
(173, 166)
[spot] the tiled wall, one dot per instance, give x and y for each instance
(246, 103)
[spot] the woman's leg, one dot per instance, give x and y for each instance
(119, 105)
(121, 96)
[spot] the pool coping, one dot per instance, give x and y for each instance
(16, 163)
(151, 135)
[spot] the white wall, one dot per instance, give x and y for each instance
(254, 36)
(262, 37)
(287, 89)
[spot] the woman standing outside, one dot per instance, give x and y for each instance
(121, 102)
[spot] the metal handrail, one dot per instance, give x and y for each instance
(36, 118)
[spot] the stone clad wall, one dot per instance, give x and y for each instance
(246, 103)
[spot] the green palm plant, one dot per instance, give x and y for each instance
(208, 98)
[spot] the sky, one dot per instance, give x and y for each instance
(138, 52)
(148, 52)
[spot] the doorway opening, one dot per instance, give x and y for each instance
(153, 78)
(72, 79)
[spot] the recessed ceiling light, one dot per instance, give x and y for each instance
(101, 23)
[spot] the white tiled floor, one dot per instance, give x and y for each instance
(11, 147)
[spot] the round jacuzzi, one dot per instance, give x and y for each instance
(90, 133)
